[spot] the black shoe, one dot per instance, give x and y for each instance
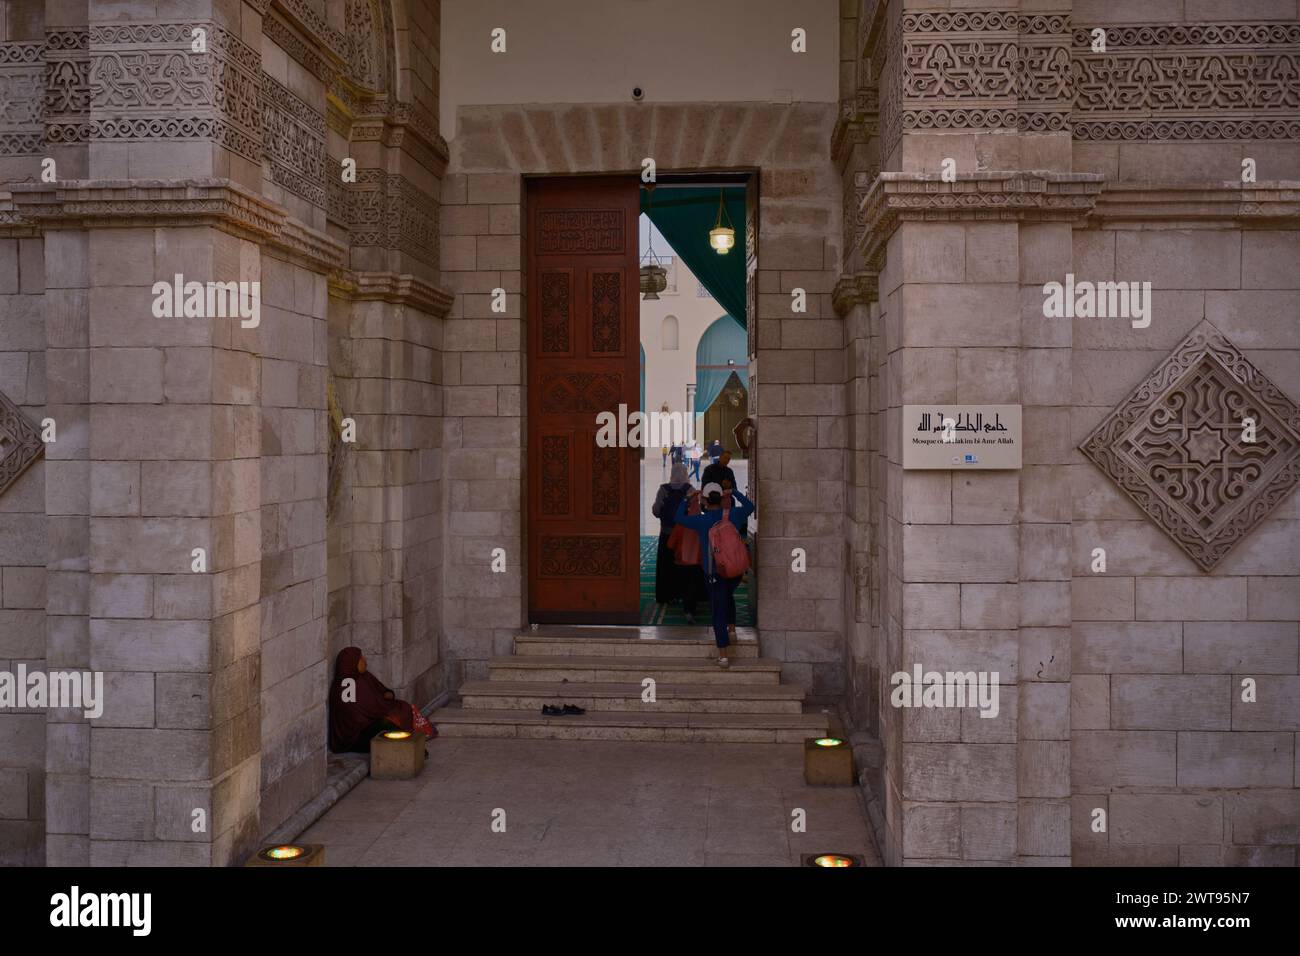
(550, 710)
(573, 711)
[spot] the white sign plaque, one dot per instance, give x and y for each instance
(961, 437)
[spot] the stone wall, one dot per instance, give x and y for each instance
(1121, 688)
(176, 434)
(800, 366)
(22, 543)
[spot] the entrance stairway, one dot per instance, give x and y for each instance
(601, 669)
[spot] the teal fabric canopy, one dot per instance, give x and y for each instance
(684, 217)
(723, 343)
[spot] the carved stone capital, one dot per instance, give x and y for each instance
(897, 197)
(857, 289)
(401, 289)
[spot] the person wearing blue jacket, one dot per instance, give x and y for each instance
(722, 591)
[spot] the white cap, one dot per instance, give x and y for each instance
(712, 488)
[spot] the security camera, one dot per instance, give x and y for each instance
(638, 94)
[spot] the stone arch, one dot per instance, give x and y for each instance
(369, 31)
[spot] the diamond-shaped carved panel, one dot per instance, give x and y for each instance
(1177, 446)
(20, 443)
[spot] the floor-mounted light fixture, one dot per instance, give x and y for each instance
(654, 277)
(722, 238)
(827, 762)
(831, 860)
(289, 854)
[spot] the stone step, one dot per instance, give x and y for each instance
(688, 728)
(608, 670)
(730, 698)
(694, 642)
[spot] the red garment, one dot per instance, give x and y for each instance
(365, 703)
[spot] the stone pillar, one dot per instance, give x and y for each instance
(967, 220)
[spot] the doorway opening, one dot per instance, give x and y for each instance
(602, 346)
(696, 350)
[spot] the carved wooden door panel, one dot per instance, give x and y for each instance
(583, 359)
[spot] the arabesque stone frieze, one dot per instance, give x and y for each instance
(1206, 446)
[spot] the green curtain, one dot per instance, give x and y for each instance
(722, 342)
(684, 217)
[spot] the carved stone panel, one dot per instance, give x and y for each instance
(1180, 446)
(20, 442)
(1188, 81)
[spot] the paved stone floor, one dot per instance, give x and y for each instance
(594, 803)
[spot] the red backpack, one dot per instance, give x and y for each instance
(730, 556)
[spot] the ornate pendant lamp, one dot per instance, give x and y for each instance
(721, 237)
(654, 276)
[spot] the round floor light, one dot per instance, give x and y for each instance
(397, 734)
(832, 860)
(828, 742)
(279, 854)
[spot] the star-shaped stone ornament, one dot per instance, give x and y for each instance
(1206, 446)
(20, 443)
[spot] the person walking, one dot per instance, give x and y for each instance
(693, 458)
(670, 578)
(723, 555)
(719, 469)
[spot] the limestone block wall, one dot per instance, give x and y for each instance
(293, 593)
(800, 365)
(176, 434)
(1126, 695)
(22, 551)
(1162, 741)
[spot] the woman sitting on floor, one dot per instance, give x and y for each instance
(360, 707)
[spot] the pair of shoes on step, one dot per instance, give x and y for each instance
(567, 710)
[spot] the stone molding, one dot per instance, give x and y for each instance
(218, 203)
(897, 197)
(1249, 205)
(403, 289)
(1175, 446)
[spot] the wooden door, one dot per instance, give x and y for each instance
(583, 359)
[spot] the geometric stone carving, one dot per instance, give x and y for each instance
(1177, 446)
(20, 442)
(1198, 81)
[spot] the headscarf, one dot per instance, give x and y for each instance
(349, 719)
(678, 477)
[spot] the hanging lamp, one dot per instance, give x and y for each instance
(721, 237)
(654, 277)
